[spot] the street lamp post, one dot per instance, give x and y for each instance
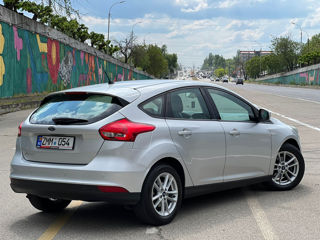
(133, 25)
(300, 30)
(109, 15)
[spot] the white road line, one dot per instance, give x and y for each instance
(302, 99)
(296, 121)
(261, 218)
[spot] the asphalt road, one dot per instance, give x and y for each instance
(249, 213)
(301, 93)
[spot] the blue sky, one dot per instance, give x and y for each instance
(193, 28)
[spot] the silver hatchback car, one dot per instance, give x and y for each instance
(149, 144)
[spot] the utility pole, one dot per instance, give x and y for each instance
(229, 70)
(260, 62)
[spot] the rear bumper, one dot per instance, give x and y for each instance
(68, 191)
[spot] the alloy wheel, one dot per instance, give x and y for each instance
(286, 168)
(164, 194)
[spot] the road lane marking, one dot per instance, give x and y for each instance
(302, 99)
(260, 217)
(295, 120)
(55, 227)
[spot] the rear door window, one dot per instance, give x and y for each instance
(76, 108)
(187, 104)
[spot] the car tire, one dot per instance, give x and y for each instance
(48, 204)
(147, 209)
(288, 166)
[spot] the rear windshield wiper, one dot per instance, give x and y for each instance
(66, 121)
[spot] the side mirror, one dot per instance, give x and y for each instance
(264, 115)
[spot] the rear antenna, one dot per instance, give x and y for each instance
(110, 81)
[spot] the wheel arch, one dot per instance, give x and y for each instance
(289, 140)
(173, 162)
(293, 142)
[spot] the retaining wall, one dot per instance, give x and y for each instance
(302, 76)
(35, 58)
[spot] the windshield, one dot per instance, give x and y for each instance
(79, 108)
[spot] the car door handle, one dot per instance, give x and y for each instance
(184, 133)
(234, 132)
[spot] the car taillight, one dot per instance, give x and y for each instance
(112, 189)
(19, 129)
(124, 130)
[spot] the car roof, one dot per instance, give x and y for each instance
(131, 90)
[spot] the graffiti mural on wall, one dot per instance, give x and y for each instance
(2, 68)
(310, 77)
(32, 63)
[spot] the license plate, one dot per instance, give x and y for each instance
(55, 142)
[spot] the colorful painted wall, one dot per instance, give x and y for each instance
(32, 63)
(303, 76)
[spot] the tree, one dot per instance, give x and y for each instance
(310, 53)
(313, 45)
(172, 59)
(12, 4)
(287, 51)
(82, 33)
(97, 40)
(41, 12)
(219, 72)
(253, 67)
(140, 57)
(126, 45)
(230, 67)
(213, 62)
(60, 7)
(158, 65)
(271, 64)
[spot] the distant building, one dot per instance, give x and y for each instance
(247, 55)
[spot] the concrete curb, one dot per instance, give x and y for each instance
(18, 106)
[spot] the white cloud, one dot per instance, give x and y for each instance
(227, 3)
(192, 5)
(313, 20)
(92, 21)
(232, 3)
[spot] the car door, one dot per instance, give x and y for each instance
(248, 142)
(199, 139)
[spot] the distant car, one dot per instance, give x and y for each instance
(225, 80)
(217, 79)
(239, 81)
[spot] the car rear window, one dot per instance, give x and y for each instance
(76, 108)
